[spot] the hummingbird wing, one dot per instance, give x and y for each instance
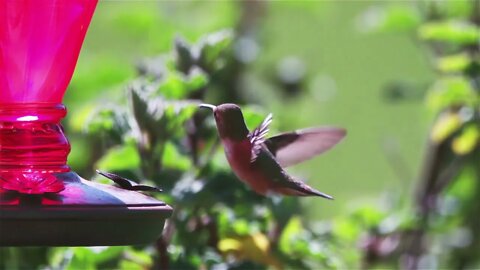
(282, 182)
(127, 183)
(258, 136)
(294, 147)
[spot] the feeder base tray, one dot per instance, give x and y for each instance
(83, 214)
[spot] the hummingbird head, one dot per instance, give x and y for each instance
(230, 122)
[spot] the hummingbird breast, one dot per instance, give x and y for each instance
(239, 157)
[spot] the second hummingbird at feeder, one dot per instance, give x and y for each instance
(258, 161)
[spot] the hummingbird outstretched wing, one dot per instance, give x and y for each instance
(127, 183)
(294, 147)
(258, 136)
(283, 183)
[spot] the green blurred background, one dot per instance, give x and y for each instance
(348, 76)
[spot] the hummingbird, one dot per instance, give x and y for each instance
(259, 161)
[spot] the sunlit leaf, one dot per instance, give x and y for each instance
(369, 215)
(172, 159)
(241, 227)
(346, 229)
(82, 258)
(176, 86)
(173, 86)
(453, 63)
(196, 79)
(451, 91)
(224, 219)
(212, 47)
(141, 257)
(458, 32)
(446, 124)
(176, 114)
(229, 245)
(253, 116)
(59, 255)
(467, 141)
(464, 186)
(289, 233)
(102, 120)
(401, 18)
(105, 254)
(129, 265)
(107, 120)
(394, 18)
(255, 247)
(139, 101)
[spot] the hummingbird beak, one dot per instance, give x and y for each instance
(210, 106)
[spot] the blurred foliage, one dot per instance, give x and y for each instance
(156, 134)
(440, 229)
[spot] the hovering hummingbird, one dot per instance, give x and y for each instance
(259, 161)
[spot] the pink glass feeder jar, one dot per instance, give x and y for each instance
(40, 43)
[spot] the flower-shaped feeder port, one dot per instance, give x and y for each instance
(42, 202)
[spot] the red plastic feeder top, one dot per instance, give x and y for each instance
(39, 45)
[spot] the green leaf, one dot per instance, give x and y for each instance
(346, 229)
(108, 120)
(451, 91)
(83, 258)
(369, 215)
(401, 18)
(467, 141)
(241, 227)
(290, 234)
(224, 219)
(100, 121)
(196, 80)
(58, 256)
(454, 63)
(213, 47)
(173, 86)
(140, 257)
(173, 159)
(129, 265)
(176, 86)
(457, 32)
(464, 185)
(183, 55)
(156, 117)
(119, 158)
(139, 101)
(446, 124)
(176, 113)
(394, 18)
(105, 254)
(253, 116)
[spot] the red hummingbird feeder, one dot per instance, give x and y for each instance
(43, 202)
